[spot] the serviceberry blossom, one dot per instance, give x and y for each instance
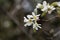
(35, 17)
(36, 26)
(28, 21)
(45, 7)
(50, 9)
(32, 20)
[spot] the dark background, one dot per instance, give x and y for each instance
(12, 25)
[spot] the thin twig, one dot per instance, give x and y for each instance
(51, 18)
(17, 6)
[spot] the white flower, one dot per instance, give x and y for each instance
(58, 3)
(47, 7)
(50, 9)
(35, 17)
(32, 20)
(44, 6)
(28, 21)
(36, 26)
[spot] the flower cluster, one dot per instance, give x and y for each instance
(31, 20)
(46, 7)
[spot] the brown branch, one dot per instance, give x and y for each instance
(17, 6)
(19, 25)
(51, 18)
(12, 17)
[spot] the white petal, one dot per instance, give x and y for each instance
(37, 18)
(33, 13)
(29, 16)
(25, 19)
(25, 25)
(38, 5)
(36, 28)
(44, 9)
(28, 24)
(45, 6)
(39, 26)
(38, 15)
(49, 12)
(44, 3)
(53, 8)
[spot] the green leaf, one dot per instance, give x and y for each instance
(54, 4)
(34, 30)
(43, 14)
(58, 10)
